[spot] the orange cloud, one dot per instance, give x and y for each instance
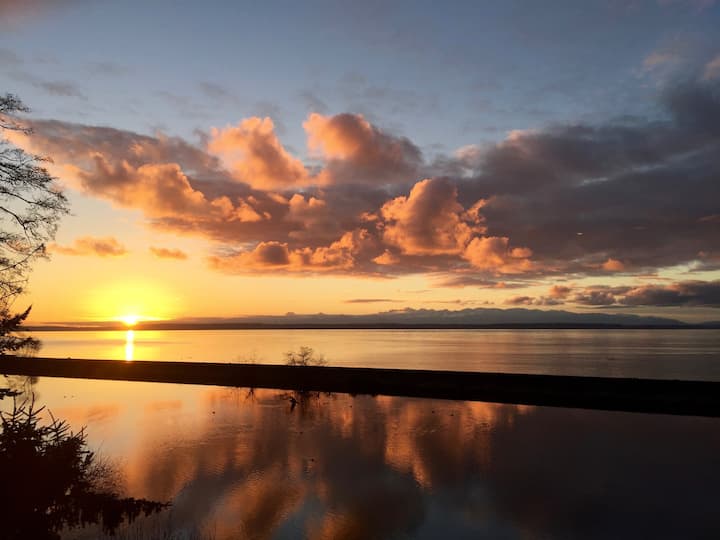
(613, 265)
(429, 221)
(88, 245)
(355, 151)
(255, 155)
(166, 253)
(493, 253)
(559, 291)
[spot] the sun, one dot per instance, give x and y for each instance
(130, 320)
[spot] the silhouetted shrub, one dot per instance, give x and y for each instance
(305, 356)
(51, 481)
(9, 325)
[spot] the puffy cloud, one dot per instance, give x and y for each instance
(338, 256)
(631, 190)
(600, 296)
(168, 253)
(429, 221)
(157, 189)
(559, 291)
(613, 265)
(255, 155)
(494, 253)
(625, 196)
(89, 245)
(355, 151)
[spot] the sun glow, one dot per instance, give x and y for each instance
(130, 320)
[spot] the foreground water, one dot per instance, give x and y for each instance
(242, 464)
(671, 354)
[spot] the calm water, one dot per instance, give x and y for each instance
(237, 464)
(679, 354)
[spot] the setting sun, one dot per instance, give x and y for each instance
(130, 320)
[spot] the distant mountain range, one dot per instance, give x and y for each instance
(407, 318)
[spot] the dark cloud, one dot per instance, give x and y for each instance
(685, 293)
(313, 103)
(53, 88)
(692, 293)
(637, 190)
(595, 297)
(217, 92)
(61, 88)
(533, 301)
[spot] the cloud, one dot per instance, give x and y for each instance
(613, 265)
(338, 256)
(255, 155)
(429, 221)
(88, 245)
(691, 293)
(636, 189)
(166, 253)
(658, 59)
(217, 92)
(685, 293)
(52, 87)
(533, 301)
(559, 291)
(627, 196)
(494, 253)
(599, 296)
(712, 69)
(313, 103)
(61, 88)
(355, 151)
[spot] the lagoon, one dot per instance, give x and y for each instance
(237, 463)
(665, 354)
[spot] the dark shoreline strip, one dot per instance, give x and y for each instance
(698, 398)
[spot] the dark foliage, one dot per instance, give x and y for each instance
(305, 356)
(31, 206)
(9, 326)
(52, 482)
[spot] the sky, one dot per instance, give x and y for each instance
(254, 158)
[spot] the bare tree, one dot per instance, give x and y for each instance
(31, 205)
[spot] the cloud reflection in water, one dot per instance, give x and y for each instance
(247, 465)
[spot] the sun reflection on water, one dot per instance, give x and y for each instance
(129, 344)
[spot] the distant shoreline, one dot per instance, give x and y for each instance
(698, 398)
(317, 326)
